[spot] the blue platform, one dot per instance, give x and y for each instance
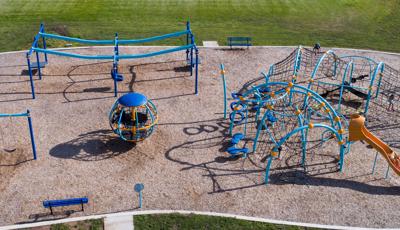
(133, 100)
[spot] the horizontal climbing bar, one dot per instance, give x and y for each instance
(339, 85)
(74, 55)
(14, 114)
(155, 38)
(133, 56)
(111, 42)
(79, 40)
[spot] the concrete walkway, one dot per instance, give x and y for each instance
(118, 223)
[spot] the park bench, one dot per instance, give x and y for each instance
(239, 41)
(65, 202)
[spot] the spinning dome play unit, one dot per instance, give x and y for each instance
(133, 117)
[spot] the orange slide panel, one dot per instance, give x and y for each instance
(358, 131)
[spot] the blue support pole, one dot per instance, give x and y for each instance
(224, 85)
(375, 160)
(379, 69)
(379, 84)
(196, 88)
(30, 76)
(187, 39)
(38, 65)
(191, 53)
(115, 65)
(267, 170)
(44, 41)
(31, 135)
(387, 172)
(341, 160)
(342, 86)
(140, 199)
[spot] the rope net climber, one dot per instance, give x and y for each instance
(312, 84)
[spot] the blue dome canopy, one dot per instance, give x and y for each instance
(133, 100)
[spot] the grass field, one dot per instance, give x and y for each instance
(181, 222)
(371, 24)
(186, 222)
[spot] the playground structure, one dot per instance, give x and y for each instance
(31, 134)
(83, 157)
(192, 53)
(133, 117)
(309, 90)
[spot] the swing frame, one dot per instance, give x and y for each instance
(27, 114)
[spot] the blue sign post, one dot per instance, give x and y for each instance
(138, 188)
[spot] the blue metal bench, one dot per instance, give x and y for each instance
(66, 202)
(239, 41)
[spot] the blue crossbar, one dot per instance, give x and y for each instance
(73, 55)
(14, 114)
(129, 56)
(155, 38)
(87, 41)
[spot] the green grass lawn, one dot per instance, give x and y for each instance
(371, 24)
(186, 222)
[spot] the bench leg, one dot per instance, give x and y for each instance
(82, 206)
(51, 210)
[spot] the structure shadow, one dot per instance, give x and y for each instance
(304, 179)
(221, 166)
(47, 216)
(92, 146)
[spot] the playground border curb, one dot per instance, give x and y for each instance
(148, 212)
(202, 47)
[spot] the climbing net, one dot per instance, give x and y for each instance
(321, 88)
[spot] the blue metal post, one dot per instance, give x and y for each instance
(380, 69)
(379, 85)
(187, 39)
(44, 41)
(224, 85)
(115, 88)
(115, 65)
(373, 166)
(342, 86)
(31, 135)
(267, 169)
(191, 53)
(341, 160)
(387, 172)
(30, 76)
(140, 199)
(38, 65)
(196, 89)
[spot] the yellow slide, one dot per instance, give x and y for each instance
(358, 131)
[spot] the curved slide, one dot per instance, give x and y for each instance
(358, 131)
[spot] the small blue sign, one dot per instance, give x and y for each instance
(139, 187)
